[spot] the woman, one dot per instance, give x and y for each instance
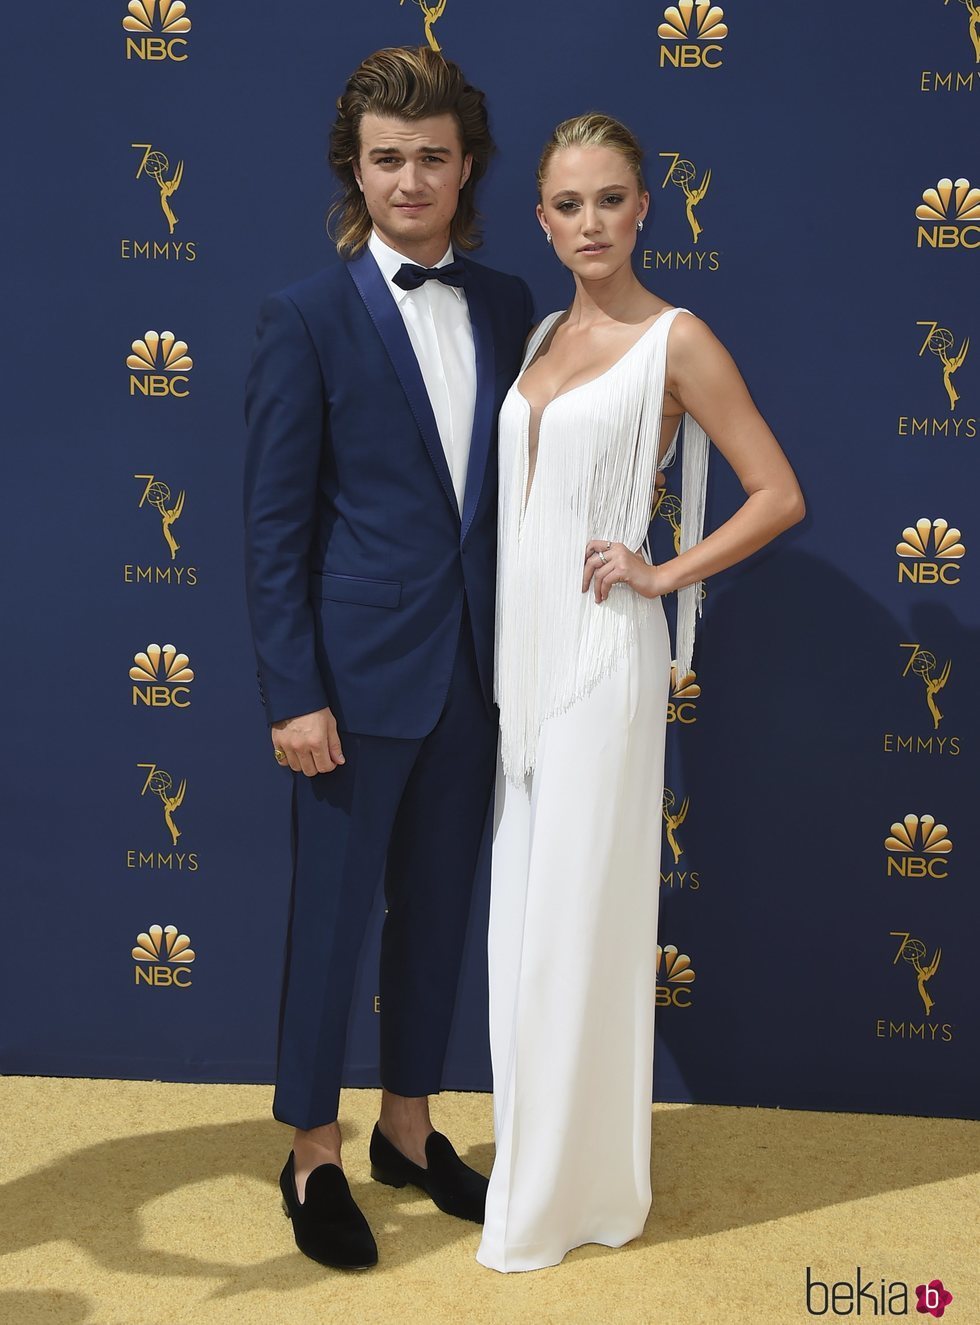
(582, 669)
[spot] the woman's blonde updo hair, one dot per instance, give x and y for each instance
(593, 130)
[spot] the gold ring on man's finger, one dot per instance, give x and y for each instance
(280, 756)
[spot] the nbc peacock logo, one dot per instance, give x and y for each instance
(156, 30)
(684, 694)
(930, 552)
(691, 34)
(161, 677)
(918, 847)
(675, 975)
(162, 955)
(949, 216)
(158, 365)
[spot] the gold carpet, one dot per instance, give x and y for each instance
(140, 1203)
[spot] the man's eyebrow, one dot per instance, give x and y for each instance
(398, 151)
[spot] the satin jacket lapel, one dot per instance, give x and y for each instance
(483, 409)
(384, 313)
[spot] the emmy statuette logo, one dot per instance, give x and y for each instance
(918, 970)
(161, 677)
(674, 816)
(154, 29)
(668, 507)
(972, 25)
(949, 353)
(158, 500)
(692, 184)
(683, 174)
(162, 955)
(684, 693)
(921, 665)
(675, 975)
(918, 847)
(930, 553)
(951, 212)
(940, 341)
(165, 180)
(155, 166)
(959, 80)
(158, 496)
(160, 785)
(691, 33)
(158, 365)
(430, 16)
(914, 952)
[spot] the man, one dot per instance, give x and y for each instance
(370, 498)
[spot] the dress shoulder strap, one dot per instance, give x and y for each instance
(538, 335)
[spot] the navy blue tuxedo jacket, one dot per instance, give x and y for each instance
(357, 556)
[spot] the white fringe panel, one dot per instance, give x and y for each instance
(594, 473)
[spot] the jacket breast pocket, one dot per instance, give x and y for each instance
(356, 589)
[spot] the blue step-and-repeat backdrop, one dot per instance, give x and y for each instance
(815, 175)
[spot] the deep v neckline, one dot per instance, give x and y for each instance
(529, 484)
(545, 345)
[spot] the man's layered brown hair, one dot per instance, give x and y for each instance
(405, 83)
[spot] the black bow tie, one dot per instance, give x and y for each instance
(409, 276)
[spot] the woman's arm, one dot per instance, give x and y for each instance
(703, 378)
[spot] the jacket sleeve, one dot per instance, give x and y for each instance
(285, 415)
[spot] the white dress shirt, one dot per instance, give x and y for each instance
(437, 319)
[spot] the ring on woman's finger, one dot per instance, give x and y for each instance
(608, 546)
(602, 557)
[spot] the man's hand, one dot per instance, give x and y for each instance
(310, 742)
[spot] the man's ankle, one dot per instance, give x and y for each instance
(405, 1122)
(318, 1141)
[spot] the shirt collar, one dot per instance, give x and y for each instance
(390, 261)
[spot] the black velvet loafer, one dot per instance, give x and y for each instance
(454, 1187)
(328, 1226)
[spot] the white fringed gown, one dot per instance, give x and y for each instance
(582, 689)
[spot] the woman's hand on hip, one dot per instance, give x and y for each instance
(608, 564)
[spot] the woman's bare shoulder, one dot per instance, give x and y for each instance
(691, 338)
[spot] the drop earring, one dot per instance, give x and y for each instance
(639, 225)
(548, 235)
